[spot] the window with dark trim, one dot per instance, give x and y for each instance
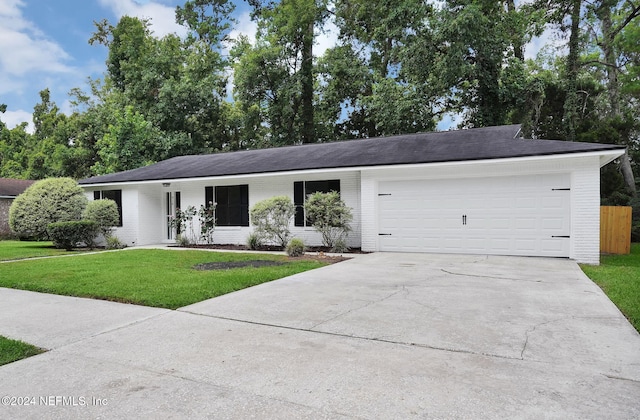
(115, 195)
(232, 204)
(302, 189)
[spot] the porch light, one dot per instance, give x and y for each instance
(166, 184)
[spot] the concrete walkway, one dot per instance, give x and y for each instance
(380, 336)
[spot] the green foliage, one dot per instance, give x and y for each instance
(207, 215)
(209, 20)
(68, 235)
(330, 216)
(114, 243)
(182, 222)
(131, 142)
(271, 219)
(104, 213)
(295, 247)
(254, 241)
(44, 202)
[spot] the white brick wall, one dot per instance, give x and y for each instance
(128, 232)
(192, 193)
(585, 212)
(585, 194)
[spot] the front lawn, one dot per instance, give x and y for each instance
(16, 250)
(619, 278)
(151, 277)
(13, 350)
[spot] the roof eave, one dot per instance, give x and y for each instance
(606, 156)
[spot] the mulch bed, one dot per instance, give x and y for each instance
(319, 254)
(225, 265)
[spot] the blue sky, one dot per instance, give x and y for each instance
(44, 44)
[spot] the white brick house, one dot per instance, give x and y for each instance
(480, 191)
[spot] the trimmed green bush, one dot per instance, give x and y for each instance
(46, 201)
(69, 235)
(295, 247)
(104, 213)
(271, 219)
(330, 216)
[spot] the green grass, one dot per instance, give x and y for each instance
(13, 350)
(154, 277)
(15, 250)
(619, 278)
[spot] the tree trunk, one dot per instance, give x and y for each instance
(571, 100)
(613, 84)
(308, 134)
(516, 41)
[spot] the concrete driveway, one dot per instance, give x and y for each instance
(380, 336)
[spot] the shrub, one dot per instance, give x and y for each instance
(183, 240)
(68, 235)
(44, 202)
(104, 213)
(254, 242)
(207, 215)
(114, 243)
(182, 220)
(271, 219)
(330, 216)
(295, 247)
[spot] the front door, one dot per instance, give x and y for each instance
(172, 203)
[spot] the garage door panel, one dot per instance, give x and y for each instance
(510, 216)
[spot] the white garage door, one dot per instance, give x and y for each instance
(518, 215)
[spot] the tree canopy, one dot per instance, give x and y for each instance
(398, 66)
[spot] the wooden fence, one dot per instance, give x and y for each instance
(615, 230)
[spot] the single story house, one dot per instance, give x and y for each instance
(9, 190)
(477, 191)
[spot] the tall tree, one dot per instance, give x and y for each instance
(473, 55)
(283, 59)
(176, 85)
(612, 18)
(365, 89)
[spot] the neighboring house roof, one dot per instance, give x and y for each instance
(447, 146)
(10, 188)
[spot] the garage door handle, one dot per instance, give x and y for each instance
(560, 236)
(464, 219)
(384, 234)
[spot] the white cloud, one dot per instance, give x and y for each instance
(15, 118)
(161, 17)
(244, 26)
(24, 48)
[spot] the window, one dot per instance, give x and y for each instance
(302, 189)
(232, 204)
(115, 195)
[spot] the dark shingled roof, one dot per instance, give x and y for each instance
(446, 146)
(13, 187)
